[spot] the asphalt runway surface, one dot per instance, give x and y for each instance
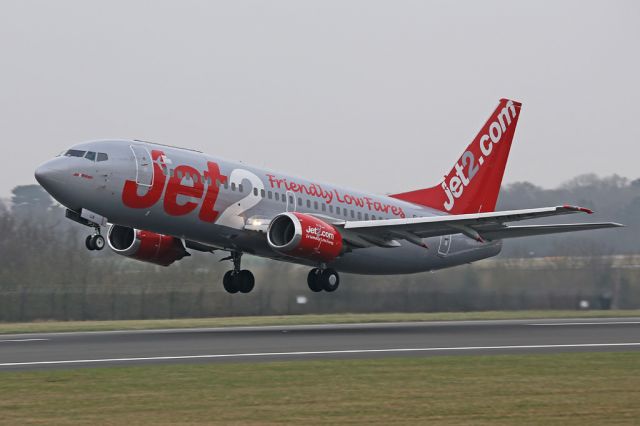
(346, 341)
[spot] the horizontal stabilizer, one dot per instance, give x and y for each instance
(532, 230)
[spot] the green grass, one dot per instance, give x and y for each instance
(564, 389)
(61, 326)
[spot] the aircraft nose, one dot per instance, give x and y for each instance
(46, 175)
(51, 176)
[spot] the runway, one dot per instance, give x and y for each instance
(278, 343)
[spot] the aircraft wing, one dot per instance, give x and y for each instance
(479, 226)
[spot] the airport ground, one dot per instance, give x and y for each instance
(155, 324)
(473, 368)
(567, 389)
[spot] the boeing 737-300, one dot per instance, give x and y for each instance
(160, 201)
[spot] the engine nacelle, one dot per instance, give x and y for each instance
(145, 245)
(305, 236)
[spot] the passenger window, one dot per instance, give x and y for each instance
(74, 153)
(337, 210)
(373, 217)
(331, 209)
(353, 216)
(366, 216)
(284, 198)
(308, 204)
(255, 191)
(226, 184)
(359, 216)
(262, 193)
(277, 197)
(299, 201)
(315, 205)
(102, 156)
(324, 207)
(90, 155)
(270, 194)
(233, 186)
(290, 199)
(240, 187)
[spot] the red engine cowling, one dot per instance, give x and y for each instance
(145, 245)
(305, 236)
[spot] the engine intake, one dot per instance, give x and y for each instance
(305, 236)
(145, 246)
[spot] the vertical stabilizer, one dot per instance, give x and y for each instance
(473, 183)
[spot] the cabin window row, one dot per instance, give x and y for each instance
(273, 195)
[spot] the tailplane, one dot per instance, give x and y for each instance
(473, 184)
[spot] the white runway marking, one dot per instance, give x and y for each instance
(22, 340)
(556, 324)
(306, 353)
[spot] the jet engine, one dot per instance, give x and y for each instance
(145, 245)
(305, 236)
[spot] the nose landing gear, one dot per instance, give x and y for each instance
(323, 279)
(95, 241)
(237, 280)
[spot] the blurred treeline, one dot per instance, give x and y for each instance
(46, 273)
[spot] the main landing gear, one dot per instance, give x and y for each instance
(323, 279)
(95, 241)
(237, 280)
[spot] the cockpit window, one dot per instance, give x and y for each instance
(90, 156)
(102, 156)
(74, 153)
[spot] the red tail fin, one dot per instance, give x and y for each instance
(473, 183)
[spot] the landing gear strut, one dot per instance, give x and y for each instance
(237, 280)
(95, 241)
(323, 279)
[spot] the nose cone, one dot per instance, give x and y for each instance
(54, 177)
(48, 175)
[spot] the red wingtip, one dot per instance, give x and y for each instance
(578, 208)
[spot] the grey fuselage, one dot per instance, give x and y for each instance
(244, 194)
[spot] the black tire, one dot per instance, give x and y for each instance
(330, 280)
(229, 282)
(98, 242)
(313, 280)
(88, 242)
(245, 281)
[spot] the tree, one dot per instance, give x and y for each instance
(31, 201)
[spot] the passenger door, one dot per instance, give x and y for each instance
(144, 165)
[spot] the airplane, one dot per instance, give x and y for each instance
(160, 201)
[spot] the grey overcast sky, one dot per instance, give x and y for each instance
(377, 95)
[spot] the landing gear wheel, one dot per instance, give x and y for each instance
(237, 280)
(88, 242)
(245, 281)
(313, 280)
(330, 280)
(229, 282)
(97, 241)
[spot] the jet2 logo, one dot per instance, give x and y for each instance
(172, 187)
(454, 188)
(316, 232)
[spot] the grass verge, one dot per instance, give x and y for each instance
(582, 388)
(63, 326)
